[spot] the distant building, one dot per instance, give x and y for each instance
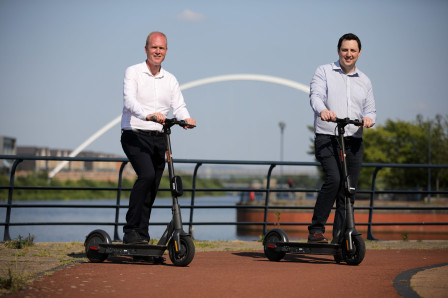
(48, 165)
(7, 147)
(74, 170)
(94, 170)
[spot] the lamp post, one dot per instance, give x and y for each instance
(438, 118)
(282, 128)
(420, 120)
(429, 161)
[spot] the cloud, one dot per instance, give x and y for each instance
(420, 106)
(190, 16)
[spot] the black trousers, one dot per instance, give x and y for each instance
(147, 156)
(327, 152)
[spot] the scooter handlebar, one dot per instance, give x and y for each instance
(345, 121)
(173, 121)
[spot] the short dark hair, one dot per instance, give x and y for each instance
(349, 36)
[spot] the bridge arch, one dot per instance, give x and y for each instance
(205, 81)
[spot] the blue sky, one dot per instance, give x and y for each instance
(62, 65)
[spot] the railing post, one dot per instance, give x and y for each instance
(6, 235)
(372, 195)
(266, 202)
(117, 208)
(193, 192)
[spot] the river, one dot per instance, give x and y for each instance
(64, 233)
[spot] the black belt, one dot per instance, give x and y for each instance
(145, 132)
(345, 138)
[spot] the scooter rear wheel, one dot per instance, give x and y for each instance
(93, 240)
(185, 254)
(357, 256)
(273, 236)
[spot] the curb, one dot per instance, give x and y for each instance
(402, 282)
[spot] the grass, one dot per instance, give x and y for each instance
(22, 260)
(20, 242)
(205, 244)
(13, 280)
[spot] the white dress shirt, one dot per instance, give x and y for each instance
(145, 94)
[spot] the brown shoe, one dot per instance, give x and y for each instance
(317, 237)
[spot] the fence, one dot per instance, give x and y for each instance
(267, 190)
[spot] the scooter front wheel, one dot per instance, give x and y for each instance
(185, 252)
(357, 256)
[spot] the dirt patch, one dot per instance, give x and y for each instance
(21, 266)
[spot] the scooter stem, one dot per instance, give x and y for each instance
(349, 189)
(350, 224)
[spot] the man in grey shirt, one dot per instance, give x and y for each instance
(339, 90)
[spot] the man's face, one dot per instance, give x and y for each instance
(348, 54)
(156, 49)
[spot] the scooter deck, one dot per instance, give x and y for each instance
(132, 249)
(305, 248)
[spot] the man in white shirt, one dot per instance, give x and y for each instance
(149, 93)
(339, 90)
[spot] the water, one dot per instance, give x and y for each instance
(64, 233)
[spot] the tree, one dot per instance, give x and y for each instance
(408, 143)
(402, 142)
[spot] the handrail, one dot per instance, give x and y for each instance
(198, 163)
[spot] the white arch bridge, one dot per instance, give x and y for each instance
(216, 79)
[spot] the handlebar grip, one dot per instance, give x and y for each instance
(346, 121)
(184, 123)
(173, 121)
(357, 122)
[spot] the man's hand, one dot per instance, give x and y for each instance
(327, 115)
(191, 123)
(368, 122)
(156, 117)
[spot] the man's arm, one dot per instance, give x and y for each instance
(318, 95)
(130, 94)
(369, 110)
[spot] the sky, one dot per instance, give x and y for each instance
(62, 65)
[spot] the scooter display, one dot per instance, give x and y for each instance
(98, 244)
(350, 246)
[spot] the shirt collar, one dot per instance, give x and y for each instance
(337, 67)
(145, 69)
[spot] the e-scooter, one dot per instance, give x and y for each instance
(98, 244)
(349, 247)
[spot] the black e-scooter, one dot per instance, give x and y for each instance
(350, 246)
(98, 244)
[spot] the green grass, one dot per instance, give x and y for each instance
(20, 242)
(205, 244)
(13, 281)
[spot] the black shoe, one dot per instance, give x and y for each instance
(317, 237)
(133, 237)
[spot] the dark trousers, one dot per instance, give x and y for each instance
(327, 152)
(147, 156)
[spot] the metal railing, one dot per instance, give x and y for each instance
(267, 190)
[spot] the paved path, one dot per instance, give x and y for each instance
(242, 274)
